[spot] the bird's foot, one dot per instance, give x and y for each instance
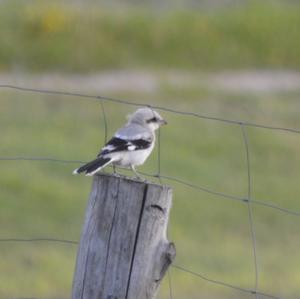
(114, 169)
(115, 173)
(137, 175)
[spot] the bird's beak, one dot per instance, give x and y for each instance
(163, 122)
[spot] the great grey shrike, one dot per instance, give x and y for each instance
(130, 146)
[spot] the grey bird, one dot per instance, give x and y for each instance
(130, 146)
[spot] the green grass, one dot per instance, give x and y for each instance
(37, 35)
(211, 234)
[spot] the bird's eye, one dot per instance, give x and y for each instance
(152, 120)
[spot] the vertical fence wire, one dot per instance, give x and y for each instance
(158, 174)
(249, 208)
(170, 284)
(159, 156)
(104, 121)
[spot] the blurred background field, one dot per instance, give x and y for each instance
(85, 36)
(237, 60)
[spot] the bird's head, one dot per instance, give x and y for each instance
(147, 117)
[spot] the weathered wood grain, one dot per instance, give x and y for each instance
(124, 252)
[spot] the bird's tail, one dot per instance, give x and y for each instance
(94, 166)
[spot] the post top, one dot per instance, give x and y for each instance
(130, 179)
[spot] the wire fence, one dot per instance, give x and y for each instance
(248, 199)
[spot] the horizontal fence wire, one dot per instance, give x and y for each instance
(169, 178)
(224, 284)
(167, 109)
(73, 242)
(248, 200)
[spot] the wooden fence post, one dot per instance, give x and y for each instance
(123, 252)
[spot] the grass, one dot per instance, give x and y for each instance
(36, 35)
(211, 234)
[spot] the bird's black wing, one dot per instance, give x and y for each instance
(117, 144)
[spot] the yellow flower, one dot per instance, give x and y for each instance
(47, 19)
(54, 20)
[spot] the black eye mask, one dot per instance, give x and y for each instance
(152, 120)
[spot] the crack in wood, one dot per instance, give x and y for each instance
(136, 239)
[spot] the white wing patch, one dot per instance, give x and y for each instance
(131, 147)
